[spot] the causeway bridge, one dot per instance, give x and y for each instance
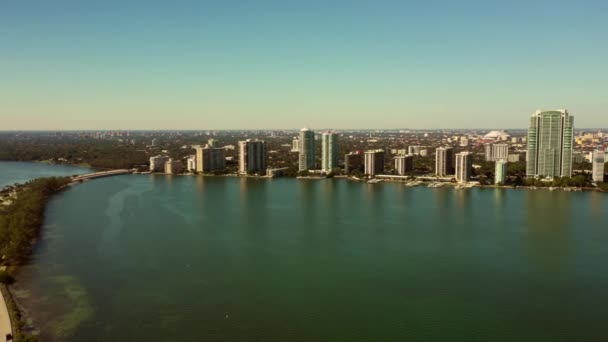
(100, 174)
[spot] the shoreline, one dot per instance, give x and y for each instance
(421, 184)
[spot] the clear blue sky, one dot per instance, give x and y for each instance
(288, 64)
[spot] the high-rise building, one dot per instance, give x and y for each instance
(374, 162)
(444, 161)
(500, 174)
(210, 159)
(353, 161)
(464, 164)
(550, 140)
(496, 152)
(173, 167)
(295, 145)
(329, 151)
(191, 164)
(252, 156)
(307, 150)
(599, 158)
(157, 163)
(404, 164)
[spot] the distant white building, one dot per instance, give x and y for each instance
(496, 152)
(295, 145)
(599, 158)
(513, 158)
(497, 136)
(414, 150)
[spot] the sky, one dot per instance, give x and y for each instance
(231, 64)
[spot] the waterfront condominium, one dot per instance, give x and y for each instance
(157, 163)
(404, 164)
(374, 162)
(210, 159)
(329, 152)
(353, 161)
(464, 164)
(307, 150)
(444, 161)
(598, 160)
(550, 140)
(252, 156)
(500, 174)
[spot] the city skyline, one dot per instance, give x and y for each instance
(277, 65)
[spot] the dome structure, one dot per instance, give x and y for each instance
(497, 135)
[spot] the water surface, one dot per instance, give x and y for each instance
(21, 172)
(162, 258)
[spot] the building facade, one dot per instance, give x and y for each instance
(157, 163)
(191, 164)
(403, 164)
(513, 158)
(414, 149)
(295, 145)
(495, 152)
(464, 164)
(252, 156)
(307, 150)
(329, 151)
(210, 159)
(374, 162)
(173, 167)
(550, 142)
(444, 161)
(353, 161)
(500, 173)
(599, 158)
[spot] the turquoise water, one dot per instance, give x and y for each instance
(142, 258)
(21, 172)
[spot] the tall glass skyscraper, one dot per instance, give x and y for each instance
(329, 151)
(307, 150)
(550, 141)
